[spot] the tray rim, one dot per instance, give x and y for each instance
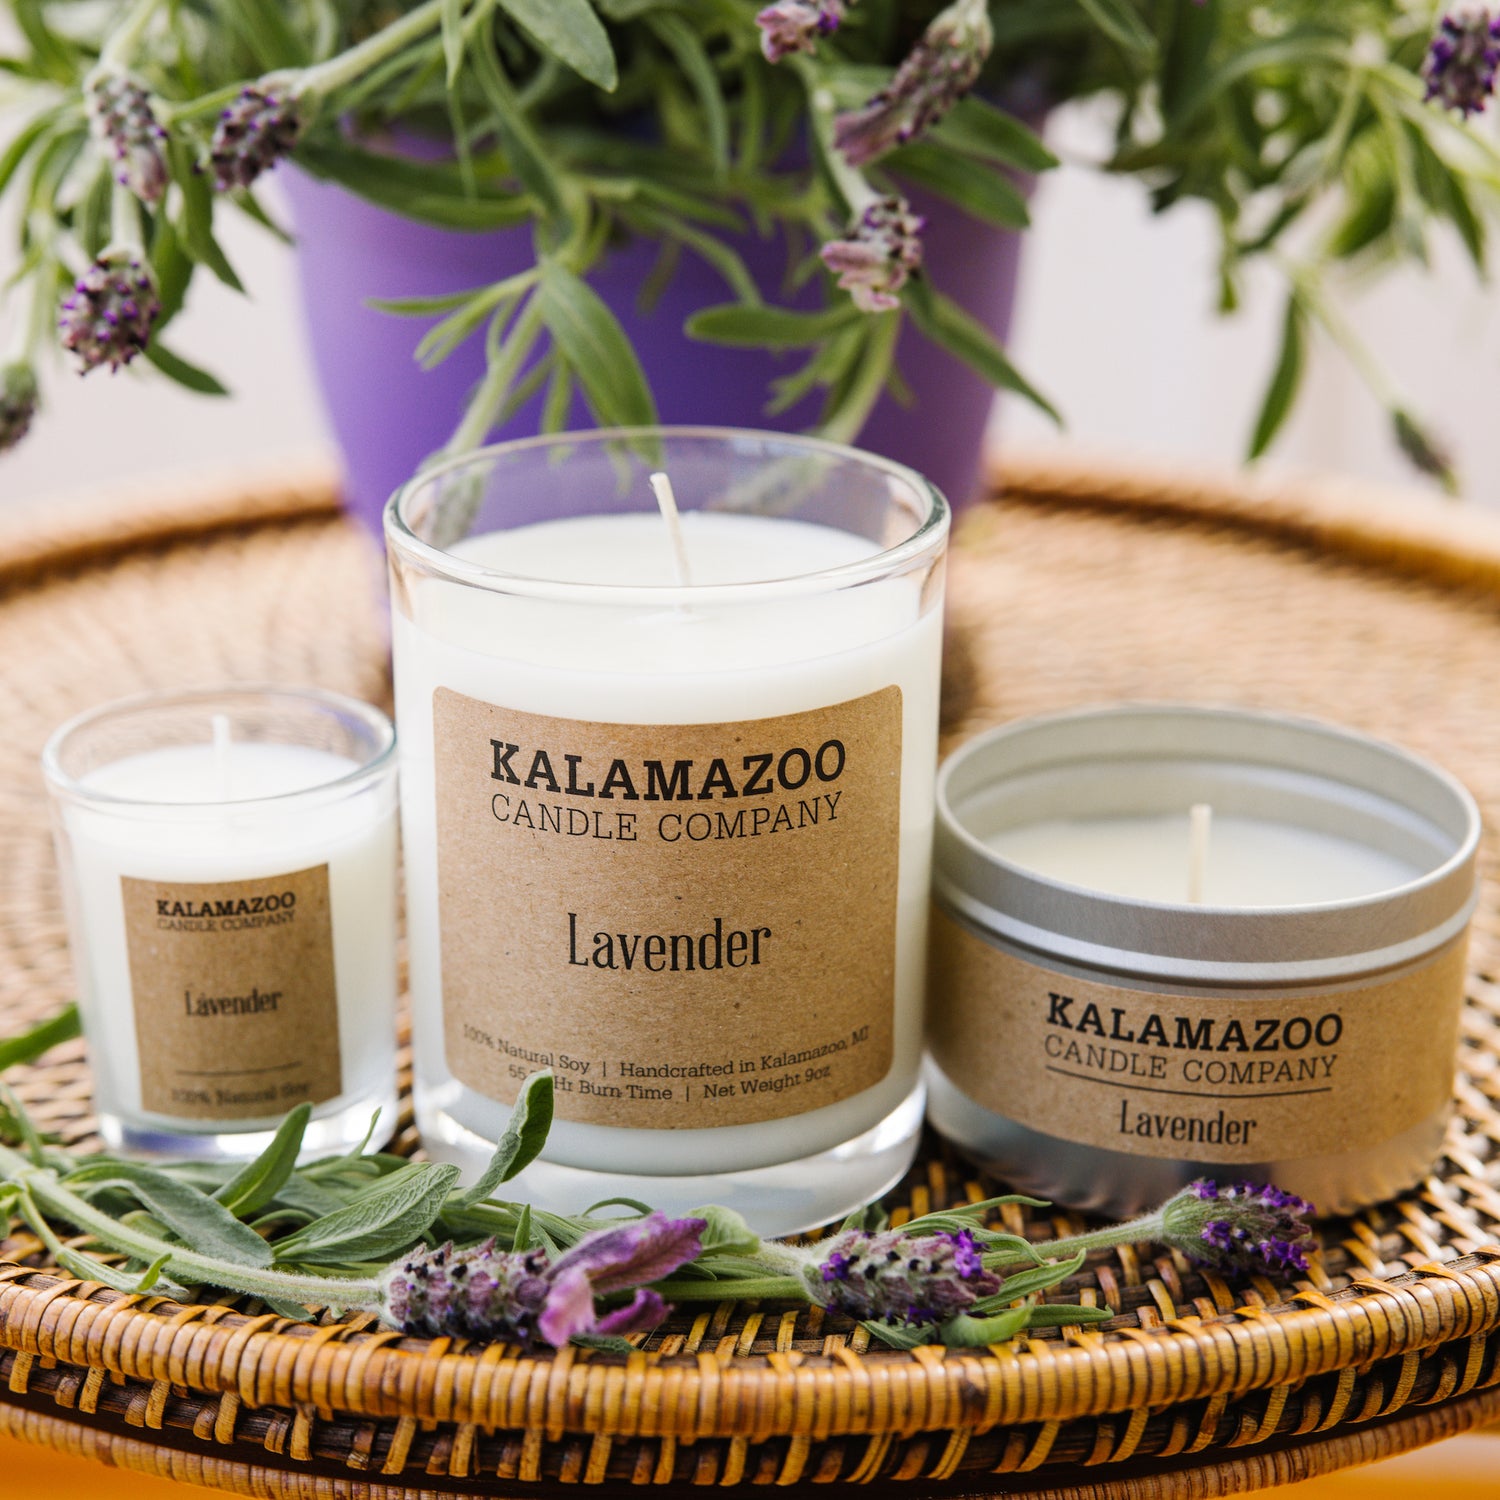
(1239, 1351)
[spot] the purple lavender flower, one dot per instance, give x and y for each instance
(795, 25)
(485, 1293)
(108, 318)
(17, 403)
(252, 135)
(895, 1278)
(879, 253)
(1241, 1226)
(1462, 59)
(936, 74)
(122, 120)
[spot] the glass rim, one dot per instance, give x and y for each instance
(927, 538)
(64, 785)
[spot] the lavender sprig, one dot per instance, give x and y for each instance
(879, 253)
(109, 316)
(791, 26)
(123, 121)
(485, 1292)
(942, 67)
(18, 402)
(1462, 60)
(503, 1271)
(252, 134)
(898, 1278)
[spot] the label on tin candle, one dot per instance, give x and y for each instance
(691, 924)
(236, 1010)
(1247, 1078)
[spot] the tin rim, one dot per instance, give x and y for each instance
(1199, 944)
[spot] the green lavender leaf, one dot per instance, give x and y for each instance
(200, 1222)
(257, 1183)
(525, 1236)
(524, 149)
(761, 327)
(980, 129)
(1028, 1283)
(725, 1232)
(453, 38)
(267, 32)
(558, 401)
(29, 1045)
(379, 1223)
(185, 373)
(902, 1337)
(682, 42)
(422, 307)
(429, 192)
(309, 1196)
(597, 349)
(572, 33)
(1064, 1315)
(946, 323)
(1285, 379)
(524, 1136)
(984, 194)
(20, 146)
(967, 1332)
(1119, 19)
(195, 223)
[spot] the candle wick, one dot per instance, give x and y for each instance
(222, 736)
(1200, 824)
(666, 502)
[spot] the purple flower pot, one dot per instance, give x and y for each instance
(388, 414)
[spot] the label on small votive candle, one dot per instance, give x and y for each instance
(236, 1008)
(693, 925)
(1252, 1078)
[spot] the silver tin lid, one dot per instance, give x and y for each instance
(1152, 759)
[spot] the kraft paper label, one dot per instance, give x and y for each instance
(1244, 1079)
(692, 925)
(236, 1009)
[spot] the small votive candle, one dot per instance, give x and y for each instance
(228, 861)
(1175, 942)
(667, 803)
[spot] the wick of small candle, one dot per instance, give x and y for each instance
(666, 501)
(222, 737)
(1200, 825)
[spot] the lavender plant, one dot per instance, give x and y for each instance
(375, 1233)
(1322, 138)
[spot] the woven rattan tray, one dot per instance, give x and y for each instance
(1077, 586)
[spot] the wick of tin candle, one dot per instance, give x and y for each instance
(1200, 824)
(221, 729)
(666, 501)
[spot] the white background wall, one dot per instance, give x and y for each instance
(1116, 323)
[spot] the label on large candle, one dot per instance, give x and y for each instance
(1251, 1078)
(691, 924)
(236, 1010)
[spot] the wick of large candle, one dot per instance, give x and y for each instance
(1200, 824)
(222, 737)
(666, 501)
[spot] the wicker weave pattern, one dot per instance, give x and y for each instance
(1083, 587)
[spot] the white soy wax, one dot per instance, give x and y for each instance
(588, 649)
(232, 907)
(1247, 862)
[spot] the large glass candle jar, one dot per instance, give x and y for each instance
(229, 868)
(667, 810)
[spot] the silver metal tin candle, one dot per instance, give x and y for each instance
(1172, 942)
